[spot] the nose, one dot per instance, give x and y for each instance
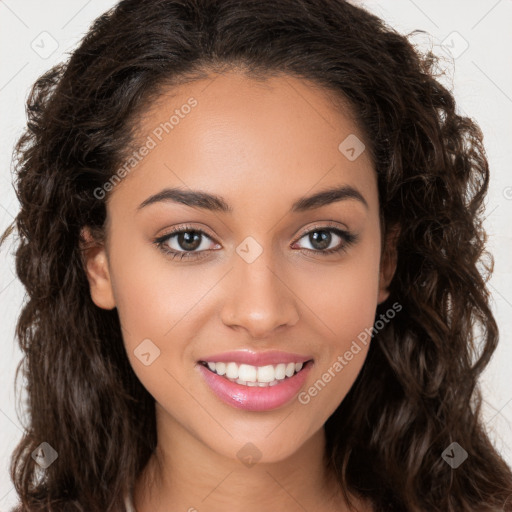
(258, 298)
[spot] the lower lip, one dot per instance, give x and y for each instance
(254, 398)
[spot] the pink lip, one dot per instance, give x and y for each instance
(257, 358)
(255, 398)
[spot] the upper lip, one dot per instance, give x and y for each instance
(256, 358)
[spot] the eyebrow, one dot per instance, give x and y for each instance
(212, 202)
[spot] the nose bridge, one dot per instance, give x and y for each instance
(257, 299)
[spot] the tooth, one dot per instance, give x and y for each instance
(280, 371)
(266, 373)
(232, 371)
(250, 375)
(273, 383)
(247, 372)
(220, 368)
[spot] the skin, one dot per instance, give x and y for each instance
(261, 146)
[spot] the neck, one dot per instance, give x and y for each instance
(189, 475)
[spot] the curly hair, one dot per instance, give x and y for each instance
(418, 389)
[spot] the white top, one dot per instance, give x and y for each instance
(128, 503)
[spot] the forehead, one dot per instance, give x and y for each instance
(232, 135)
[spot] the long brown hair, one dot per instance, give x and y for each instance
(417, 392)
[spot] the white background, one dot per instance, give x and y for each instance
(481, 77)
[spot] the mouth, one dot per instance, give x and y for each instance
(255, 376)
(255, 388)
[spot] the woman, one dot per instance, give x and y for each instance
(249, 234)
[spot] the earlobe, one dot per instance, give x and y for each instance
(95, 263)
(388, 263)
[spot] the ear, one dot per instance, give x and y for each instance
(95, 262)
(388, 262)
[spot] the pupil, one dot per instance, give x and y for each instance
(325, 239)
(189, 242)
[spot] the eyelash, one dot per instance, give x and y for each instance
(347, 237)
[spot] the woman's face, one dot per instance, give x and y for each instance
(257, 281)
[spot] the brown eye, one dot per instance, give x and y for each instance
(184, 243)
(188, 242)
(321, 240)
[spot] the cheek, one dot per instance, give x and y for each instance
(343, 305)
(153, 294)
(342, 298)
(157, 302)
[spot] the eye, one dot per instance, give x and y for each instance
(184, 242)
(327, 240)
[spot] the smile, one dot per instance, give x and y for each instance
(255, 388)
(249, 375)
